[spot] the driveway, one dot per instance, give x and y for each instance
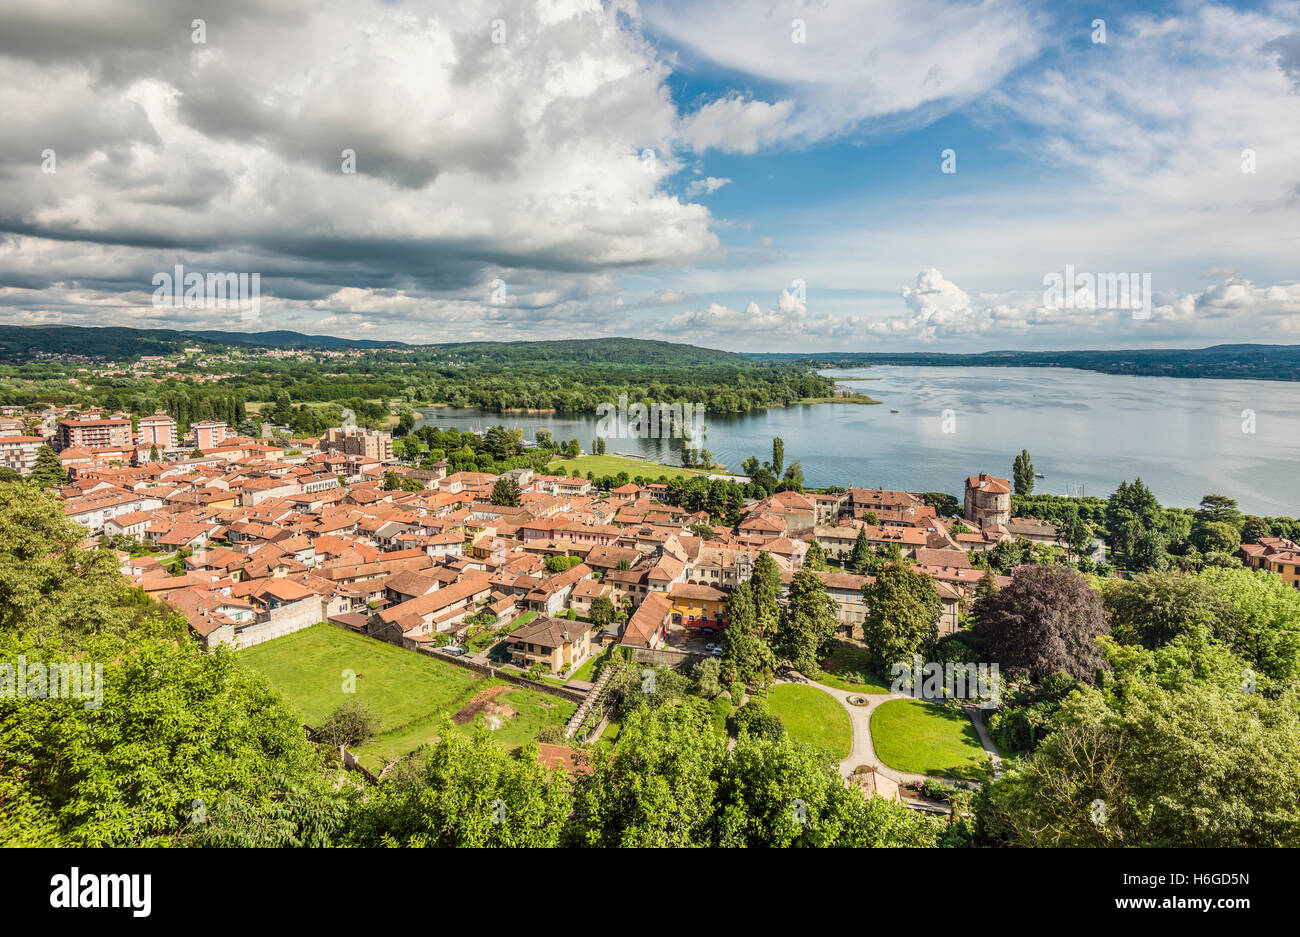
(863, 751)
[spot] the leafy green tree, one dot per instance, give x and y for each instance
(746, 656)
(903, 611)
(47, 471)
(1168, 752)
(1154, 608)
(1022, 473)
(860, 558)
(767, 586)
(466, 792)
(506, 493)
(774, 792)
(602, 611)
(815, 558)
(1216, 537)
(1265, 630)
(657, 789)
(756, 719)
(808, 622)
(706, 678)
(179, 733)
(348, 725)
(49, 585)
(778, 455)
(1253, 529)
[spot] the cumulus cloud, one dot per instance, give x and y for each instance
(521, 156)
(936, 309)
(837, 66)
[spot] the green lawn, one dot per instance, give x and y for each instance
(612, 464)
(813, 716)
(584, 672)
(847, 668)
(397, 684)
(406, 689)
(925, 738)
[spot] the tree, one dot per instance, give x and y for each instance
(706, 678)
(903, 611)
(985, 590)
(47, 471)
(657, 789)
(778, 455)
(793, 477)
(808, 622)
(766, 583)
(745, 654)
(1253, 529)
(154, 454)
(1219, 508)
(466, 792)
(348, 725)
(775, 792)
(1216, 537)
(815, 558)
(391, 481)
(1168, 751)
(506, 493)
(756, 719)
(573, 450)
(860, 557)
(1046, 620)
(1154, 608)
(1022, 472)
(50, 587)
(1265, 630)
(602, 611)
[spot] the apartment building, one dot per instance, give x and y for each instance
(158, 430)
(19, 452)
(90, 432)
(209, 434)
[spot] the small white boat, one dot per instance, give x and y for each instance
(892, 410)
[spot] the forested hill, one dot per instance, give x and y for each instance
(21, 343)
(1254, 362)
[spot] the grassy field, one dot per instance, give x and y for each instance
(406, 689)
(848, 668)
(923, 738)
(612, 464)
(813, 716)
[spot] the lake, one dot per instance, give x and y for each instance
(1086, 432)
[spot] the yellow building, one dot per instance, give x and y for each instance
(698, 606)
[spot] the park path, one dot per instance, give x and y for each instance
(863, 751)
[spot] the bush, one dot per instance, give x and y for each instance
(759, 721)
(349, 725)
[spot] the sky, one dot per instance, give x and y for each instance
(880, 175)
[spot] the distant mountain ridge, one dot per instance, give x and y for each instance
(21, 343)
(1240, 361)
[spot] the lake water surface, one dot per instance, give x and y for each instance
(1086, 432)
